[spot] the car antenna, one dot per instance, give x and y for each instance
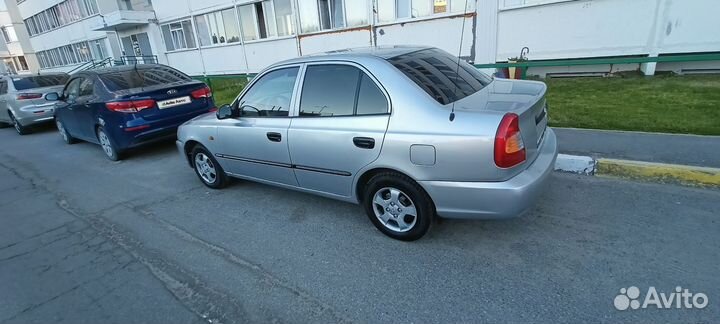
(457, 69)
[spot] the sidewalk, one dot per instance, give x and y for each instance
(693, 150)
(55, 267)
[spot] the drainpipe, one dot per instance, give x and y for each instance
(242, 41)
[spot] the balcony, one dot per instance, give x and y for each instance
(124, 19)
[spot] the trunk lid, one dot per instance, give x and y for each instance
(172, 99)
(524, 98)
(42, 91)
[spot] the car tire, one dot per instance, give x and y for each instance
(64, 133)
(19, 128)
(109, 148)
(398, 206)
(207, 168)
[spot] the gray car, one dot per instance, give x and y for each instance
(404, 131)
(22, 99)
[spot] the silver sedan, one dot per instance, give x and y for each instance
(406, 132)
(22, 99)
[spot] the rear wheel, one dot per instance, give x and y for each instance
(208, 169)
(19, 128)
(63, 132)
(111, 151)
(398, 206)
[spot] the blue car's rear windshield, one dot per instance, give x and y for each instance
(141, 77)
(39, 81)
(439, 74)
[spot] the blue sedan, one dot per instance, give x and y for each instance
(127, 106)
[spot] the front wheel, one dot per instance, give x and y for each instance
(398, 206)
(208, 169)
(111, 151)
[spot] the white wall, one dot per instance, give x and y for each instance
(188, 61)
(323, 42)
(593, 28)
(68, 34)
(263, 53)
(443, 33)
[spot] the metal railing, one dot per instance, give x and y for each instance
(109, 61)
(139, 59)
(607, 60)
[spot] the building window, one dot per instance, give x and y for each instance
(178, 35)
(59, 15)
(21, 63)
(219, 27)
(125, 4)
(8, 33)
(392, 10)
(316, 15)
(71, 54)
(266, 19)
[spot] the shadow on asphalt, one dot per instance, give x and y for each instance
(152, 150)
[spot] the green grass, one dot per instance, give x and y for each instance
(672, 104)
(225, 89)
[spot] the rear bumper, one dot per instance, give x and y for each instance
(140, 132)
(30, 115)
(496, 200)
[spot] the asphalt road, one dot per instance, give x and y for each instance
(83, 239)
(695, 150)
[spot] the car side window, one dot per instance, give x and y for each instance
(270, 95)
(332, 90)
(86, 88)
(370, 99)
(329, 90)
(72, 90)
(3, 87)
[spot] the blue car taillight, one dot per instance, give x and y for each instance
(130, 106)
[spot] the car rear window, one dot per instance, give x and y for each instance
(439, 74)
(142, 77)
(39, 81)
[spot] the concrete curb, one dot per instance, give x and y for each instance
(637, 170)
(575, 164)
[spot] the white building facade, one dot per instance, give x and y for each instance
(213, 37)
(16, 52)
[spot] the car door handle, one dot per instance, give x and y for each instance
(274, 137)
(364, 142)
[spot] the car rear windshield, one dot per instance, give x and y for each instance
(142, 77)
(39, 81)
(440, 75)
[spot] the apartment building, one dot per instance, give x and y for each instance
(208, 37)
(16, 52)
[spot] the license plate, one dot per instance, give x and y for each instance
(173, 102)
(541, 127)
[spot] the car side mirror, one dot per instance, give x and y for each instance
(52, 96)
(224, 112)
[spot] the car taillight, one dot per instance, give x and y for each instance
(26, 96)
(205, 92)
(130, 106)
(509, 146)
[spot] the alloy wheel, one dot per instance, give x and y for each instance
(105, 143)
(16, 124)
(395, 210)
(205, 168)
(61, 129)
